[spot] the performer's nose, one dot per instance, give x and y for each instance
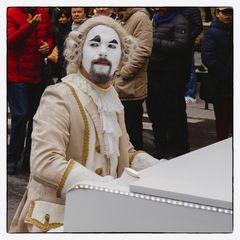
(103, 52)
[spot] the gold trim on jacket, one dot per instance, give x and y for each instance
(64, 177)
(85, 120)
(46, 226)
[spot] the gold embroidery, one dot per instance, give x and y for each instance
(64, 177)
(47, 218)
(43, 226)
(108, 166)
(85, 120)
(133, 156)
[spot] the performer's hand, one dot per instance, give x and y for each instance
(80, 173)
(107, 178)
(44, 48)
(143, 160)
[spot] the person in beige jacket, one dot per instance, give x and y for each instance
(131, 81)
(79, 131)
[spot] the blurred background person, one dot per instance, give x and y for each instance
(52, 71)
(78, 16)
(29, 40)
(192, 14)
(104, 12)
(217, 56)
(131, 80)
(167, 80)
(208, 14)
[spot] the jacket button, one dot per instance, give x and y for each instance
(99, 171)
(98, 148)
(47, 218)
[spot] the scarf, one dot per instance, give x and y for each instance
(158, 19)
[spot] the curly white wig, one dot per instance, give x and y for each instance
(75, 40)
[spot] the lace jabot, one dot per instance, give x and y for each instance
(108, 105)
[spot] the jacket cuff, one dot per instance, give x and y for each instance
(64, 177)
(74, 174)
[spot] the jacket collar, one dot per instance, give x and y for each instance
(130, 11)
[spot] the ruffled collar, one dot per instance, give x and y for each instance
(108, 105)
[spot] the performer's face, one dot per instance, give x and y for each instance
(101, 53)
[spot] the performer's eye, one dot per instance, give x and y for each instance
(94, 44)
(112, 46)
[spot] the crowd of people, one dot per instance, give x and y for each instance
(161, 71)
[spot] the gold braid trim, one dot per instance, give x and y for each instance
(64, 177)
(43, 226)
(85, 120)
(133, 156)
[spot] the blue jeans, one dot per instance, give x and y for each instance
(191, 85)
(23, 100)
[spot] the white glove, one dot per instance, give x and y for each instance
(128, 176)
(107, 178)
(143, 160)
(80, 173)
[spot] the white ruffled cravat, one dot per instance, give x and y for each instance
(108, 105)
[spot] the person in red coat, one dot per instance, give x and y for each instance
(29, 41)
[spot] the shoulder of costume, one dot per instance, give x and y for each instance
(74, 80)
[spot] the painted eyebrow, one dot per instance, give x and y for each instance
(97, 38)
(114, 41)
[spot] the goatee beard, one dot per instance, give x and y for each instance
(99, 78)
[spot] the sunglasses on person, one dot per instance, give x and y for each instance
(227, 12)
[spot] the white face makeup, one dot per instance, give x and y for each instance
(101, 51)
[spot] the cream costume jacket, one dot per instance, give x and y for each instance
(70, 134)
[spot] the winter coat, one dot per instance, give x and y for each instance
(64, 30)
(131, 81)
(171, 45)
(192, 14)
(24, 61)
(217, 56)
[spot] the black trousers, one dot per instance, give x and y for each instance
(223, 109)
(167, 111)
(133, 120)
(23, 100)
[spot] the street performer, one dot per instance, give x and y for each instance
(79, 131)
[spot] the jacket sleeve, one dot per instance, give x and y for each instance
(50, 137)
(143, 33)
(16, 34)
(196, 23)
(209, 56)
(49, 35)
(179, 41)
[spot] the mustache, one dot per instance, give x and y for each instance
(102, 61)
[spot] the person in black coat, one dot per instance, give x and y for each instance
(217, 56)
(192, 14)
(166, 82)
(79, 16)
